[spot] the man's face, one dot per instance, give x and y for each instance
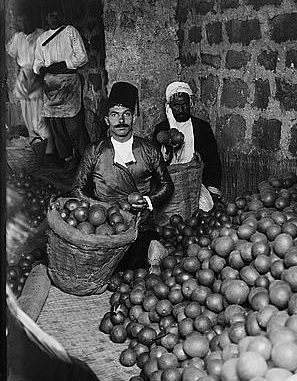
(54, 19)
(180, 106)
(120, 121)
(24, 24)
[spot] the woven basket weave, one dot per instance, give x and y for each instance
(81, 264)
(187, 179)
(26, 157)
(243, 172)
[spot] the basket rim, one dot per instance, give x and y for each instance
(87, 241)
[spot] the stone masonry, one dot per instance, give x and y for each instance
(242, 57)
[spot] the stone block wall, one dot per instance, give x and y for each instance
(142, 48)
(240, 56)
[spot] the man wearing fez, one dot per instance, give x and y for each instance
(124, 163)
(59, 53)
(198, 138)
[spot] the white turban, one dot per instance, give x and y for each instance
(177, 87)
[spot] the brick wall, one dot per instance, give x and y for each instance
(240, 56)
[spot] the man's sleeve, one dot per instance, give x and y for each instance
(212, 173)
(79, 56)
(161, 182)
(39, 58)
(81, 187)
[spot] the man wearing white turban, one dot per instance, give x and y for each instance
(198, 138)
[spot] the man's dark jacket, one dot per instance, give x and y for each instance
(205, 144)
(98, 177)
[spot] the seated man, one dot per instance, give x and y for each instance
(198, 138)
(122, 164)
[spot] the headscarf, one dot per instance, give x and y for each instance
(186, 152)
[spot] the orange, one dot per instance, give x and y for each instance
(150, 366)
(244, 343)
(229, 372)
(128, 357)
(169, 341)
(236, 292)
(214, 367)
(196, 345)
(179, 352)
(191, 373)
(171, 374)
(147, 336)
(97, 214)
(164, 307)
(265, 314)
(185, 327)
(223, 246)
(284, 355)
(277, 374)
(291, 323)
(261, 345)
(249, 365)
(282, 243)
(192, 310)
(280, 295)
(167, 360)
(230, 351)
(282, 335)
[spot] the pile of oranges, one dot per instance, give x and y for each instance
(224, 305)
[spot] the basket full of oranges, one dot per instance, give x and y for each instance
(86, 241)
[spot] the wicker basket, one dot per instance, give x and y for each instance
(243, 172)
(81, 264)
(187, 179)
(27, 156)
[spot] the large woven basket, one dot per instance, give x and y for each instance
(243, 172)
(187, 179)
(81, 264)
(26, 155)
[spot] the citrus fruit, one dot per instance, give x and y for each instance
(167, 360)
(277, 374)
(229, 372)
(261, 345)
(191, 373)
(128, 357)
(147, 336)
(236, 292)
(223, 246)
(284, 355)
(97, 214)
(118, 334)
(249, 365)
(171, 374)
(196, 346)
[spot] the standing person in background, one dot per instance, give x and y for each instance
(28, 87)
(198, 138)
(60, 51)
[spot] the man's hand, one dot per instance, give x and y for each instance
(140, 206)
